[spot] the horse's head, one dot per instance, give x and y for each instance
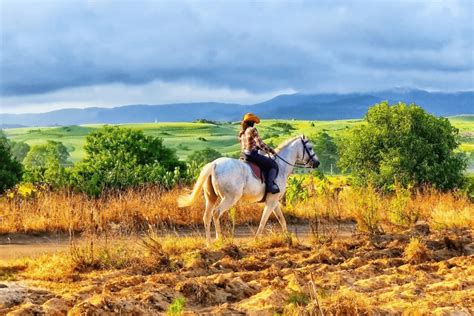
(307, 156)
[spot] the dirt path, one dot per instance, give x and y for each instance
(14, 246)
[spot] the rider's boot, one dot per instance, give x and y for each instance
(272, 187)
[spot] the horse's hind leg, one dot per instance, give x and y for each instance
(207, 221)
(225, 204)
(211, 201)
(211, 198)
(217, 223)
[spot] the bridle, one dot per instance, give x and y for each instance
(305, 151)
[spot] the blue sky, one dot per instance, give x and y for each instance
(57, 54)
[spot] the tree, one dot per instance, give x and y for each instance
(204, 156)
(20, 150)
(121, 157)
(326, 149)
(46, 163)
(38, 155)
(403, 144)
(10, 168)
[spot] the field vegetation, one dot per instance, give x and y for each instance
(136, 252)
(309, 199)
(383, 238)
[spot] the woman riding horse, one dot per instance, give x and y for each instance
(250, 143)
(225, 181)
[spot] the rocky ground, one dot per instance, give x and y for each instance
(360, 275)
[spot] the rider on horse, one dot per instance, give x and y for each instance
(250, 143)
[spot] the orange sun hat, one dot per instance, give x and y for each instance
(252, 118)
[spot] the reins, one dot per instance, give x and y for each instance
(305, 150)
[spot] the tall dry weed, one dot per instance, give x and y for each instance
(443, 209)
(366, 207)
(373, 210)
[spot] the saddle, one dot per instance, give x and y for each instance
(256, 170)
(257, 173)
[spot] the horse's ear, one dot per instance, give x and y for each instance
(303, 136)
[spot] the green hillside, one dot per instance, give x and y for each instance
(184, 137)
(188, 137)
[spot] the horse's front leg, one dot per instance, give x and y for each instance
(269, 207)
(281, 219)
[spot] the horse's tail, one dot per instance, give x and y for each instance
(187, 200)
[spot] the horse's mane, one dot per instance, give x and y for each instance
(285, 143)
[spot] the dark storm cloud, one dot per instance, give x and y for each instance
(262, 46)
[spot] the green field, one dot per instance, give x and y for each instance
(188, 137)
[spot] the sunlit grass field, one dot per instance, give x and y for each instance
(188, 137)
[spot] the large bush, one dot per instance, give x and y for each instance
(10, 168)
(403, 144)
(121, 157)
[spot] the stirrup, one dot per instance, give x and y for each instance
(274, 189)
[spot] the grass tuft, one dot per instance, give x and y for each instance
(416, 251)
(176, 307)
(275, 240)
(346, 302)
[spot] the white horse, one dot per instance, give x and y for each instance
(230, 180)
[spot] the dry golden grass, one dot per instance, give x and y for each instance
(274, 239)
(136, 209)
(131, 210)
(172, 245)
(347, 302)
(147, 255)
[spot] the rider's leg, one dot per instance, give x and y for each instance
(270, 166)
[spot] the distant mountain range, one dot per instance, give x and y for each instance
(295, 106)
